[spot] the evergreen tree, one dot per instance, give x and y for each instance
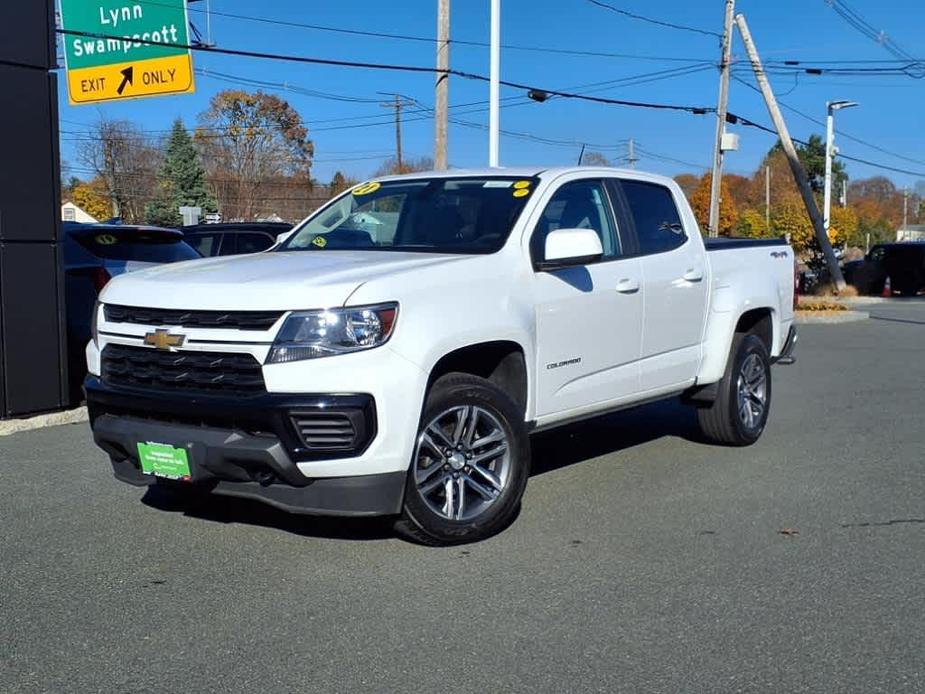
(181, 181)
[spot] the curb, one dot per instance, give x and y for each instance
(830, 317)
(15, 426)
(868, 300)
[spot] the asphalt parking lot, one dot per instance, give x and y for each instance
(643, 561)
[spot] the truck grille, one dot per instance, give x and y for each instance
(326, 430)
(192, 372)
(232, 320)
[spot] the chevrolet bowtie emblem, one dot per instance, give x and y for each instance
(163, 339)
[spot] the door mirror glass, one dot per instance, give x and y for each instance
(569, 247)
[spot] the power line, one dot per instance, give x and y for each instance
(375, 119)
(663, 157)
(389, 67)
(843, 10)
(650, 20)
(698, 110)
(426, 39)
(734, 118)
(841, 133)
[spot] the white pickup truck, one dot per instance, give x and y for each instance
(393, 355)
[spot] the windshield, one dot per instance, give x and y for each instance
(438, 215)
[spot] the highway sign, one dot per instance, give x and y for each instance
(118, 49)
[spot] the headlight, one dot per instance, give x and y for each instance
(313, 334)
(94, 319)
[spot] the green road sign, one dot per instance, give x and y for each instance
(108, 55)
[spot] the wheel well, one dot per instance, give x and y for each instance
(501, 362)
(758, 322)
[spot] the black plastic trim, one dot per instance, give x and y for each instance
(357, 496)
(259, 321)
(730, 243)
(263, 413)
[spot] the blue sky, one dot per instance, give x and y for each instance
(354, 136)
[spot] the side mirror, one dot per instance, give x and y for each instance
(571, 247)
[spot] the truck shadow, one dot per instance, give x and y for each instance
(553, 450)
(612, 433)
(229, 510)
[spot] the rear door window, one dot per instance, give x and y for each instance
(252, 242)
(655, 216)
(205, 244)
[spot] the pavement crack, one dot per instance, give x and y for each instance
(882, 524)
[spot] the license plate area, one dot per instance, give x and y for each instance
(164, 460)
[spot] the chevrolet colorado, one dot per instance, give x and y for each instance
(394, 353)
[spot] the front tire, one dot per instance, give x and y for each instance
(470, 464)
(740, 412)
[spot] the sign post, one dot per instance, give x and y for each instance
(118, 49)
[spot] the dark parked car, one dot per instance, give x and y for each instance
(903, 263)
(234, 238)
(94, 254)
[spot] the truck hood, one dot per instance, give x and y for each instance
(266, 281)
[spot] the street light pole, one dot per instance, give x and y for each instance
(494, 108)
(831, 108)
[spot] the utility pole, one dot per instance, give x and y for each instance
(716, 182)
(799, 173)
(398, 104)
(443, 78)
(494, 90)
(905, 208)
(632, 158)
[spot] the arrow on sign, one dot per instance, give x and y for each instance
(128, 77)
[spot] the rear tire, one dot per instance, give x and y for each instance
(470, 464)
(740, 412)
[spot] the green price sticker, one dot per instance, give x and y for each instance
(161, 460)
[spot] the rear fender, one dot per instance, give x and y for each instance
(727, 307)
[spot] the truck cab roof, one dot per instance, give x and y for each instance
(548, 173)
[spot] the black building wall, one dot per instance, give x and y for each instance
(32, 340)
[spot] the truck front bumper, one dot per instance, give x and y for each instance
(248, 447)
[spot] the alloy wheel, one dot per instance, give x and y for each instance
(462, 463)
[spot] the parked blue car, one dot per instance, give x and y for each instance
(93, 255)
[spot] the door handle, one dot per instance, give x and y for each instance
(628, 285)
(693, 274)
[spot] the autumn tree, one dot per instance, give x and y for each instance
(390, 166)
(92, 198)
(752, 224)
(844, 226)
(812, 157)
(789, 218)
(252, 143)
(181, 181)
(340, 183)
(700, 201)
(125, 161)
